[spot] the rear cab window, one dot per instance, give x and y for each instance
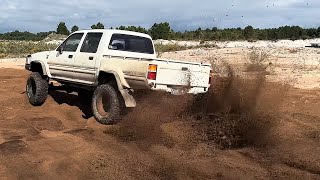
(130, 43)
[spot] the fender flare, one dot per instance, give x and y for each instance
(123, 88)
(121, 82)
(43, 66)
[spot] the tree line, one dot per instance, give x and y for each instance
(164, 31)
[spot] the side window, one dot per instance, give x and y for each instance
(123, 42)
(72, 43)
(91, 43)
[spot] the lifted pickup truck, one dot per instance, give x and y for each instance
(111, 64)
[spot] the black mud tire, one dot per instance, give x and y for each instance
(37, 89)
(106, 104)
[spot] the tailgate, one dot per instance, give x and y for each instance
(176, 73)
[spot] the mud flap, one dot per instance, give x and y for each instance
(128, 98)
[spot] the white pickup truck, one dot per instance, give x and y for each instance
(112, 64)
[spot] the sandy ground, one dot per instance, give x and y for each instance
(250, 126)
(15, 63)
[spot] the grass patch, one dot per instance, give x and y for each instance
(11, 49)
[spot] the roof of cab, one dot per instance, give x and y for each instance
(114, 31)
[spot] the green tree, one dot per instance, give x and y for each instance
(74, 28)
(134, 29)
(99, 25)
(198, 33)
(62, 29)
(312, 32)
(298, 32)
(121, 28)
(161, 31)
(214, 29)
(272, 34)
(262, 35)
(248, 32)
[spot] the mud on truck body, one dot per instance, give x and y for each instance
(111, 64)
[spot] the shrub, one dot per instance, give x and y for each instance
(22, 48)
(258, 61)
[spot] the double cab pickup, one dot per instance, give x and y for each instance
(111, 64)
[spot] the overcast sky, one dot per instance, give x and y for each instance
(44, 15)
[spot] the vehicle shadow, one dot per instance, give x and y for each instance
(84, 104)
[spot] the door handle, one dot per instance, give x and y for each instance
(70, 56)
(90, 58)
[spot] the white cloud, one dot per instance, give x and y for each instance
(44, 15)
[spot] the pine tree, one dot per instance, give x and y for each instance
(74, 28)
(248, 32)
(161, 31)
(62, 29)
(99, 25)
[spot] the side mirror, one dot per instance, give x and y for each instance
(60, 49)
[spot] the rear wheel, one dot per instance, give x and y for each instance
(37, 89)
(106, 104)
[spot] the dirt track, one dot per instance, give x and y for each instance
(273, 133)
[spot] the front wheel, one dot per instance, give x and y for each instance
(37, 89)
(106, 104)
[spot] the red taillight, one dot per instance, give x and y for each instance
(210, 76)
(152, 72)
(152, 75)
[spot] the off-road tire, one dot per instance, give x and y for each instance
(37, 89)
(106, 104)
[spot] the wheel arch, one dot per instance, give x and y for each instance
(122, 85)
(37, 66)
(107, 76)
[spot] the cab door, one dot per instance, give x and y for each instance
(85, 63)
(61, 61)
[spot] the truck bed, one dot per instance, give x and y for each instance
(178, 77)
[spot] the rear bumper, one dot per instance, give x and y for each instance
(181, 90)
